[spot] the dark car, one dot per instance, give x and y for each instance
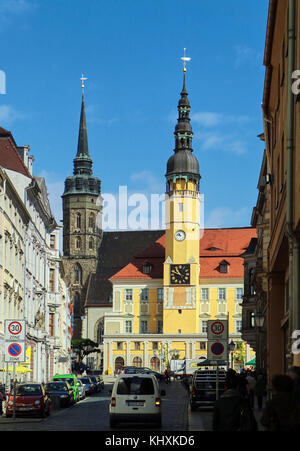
(90, 387)
(129, 370)
(31, 399)
(96, 382)
(60, 391)
(160, 377)
(203, 388)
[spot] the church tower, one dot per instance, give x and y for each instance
(81, 228)
(181, 268)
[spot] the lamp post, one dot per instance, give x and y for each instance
(231, 348)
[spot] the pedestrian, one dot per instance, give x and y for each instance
(251, 386)
(243, 385)
(282, 412)
(2, 398)
(232, 412)
(260, 390)
(294, 373)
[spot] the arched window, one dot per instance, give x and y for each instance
(76, 304)
(100, 331)
(137, 361)
(154, 364)
(92, 221)
(78, 220)
(78, 273)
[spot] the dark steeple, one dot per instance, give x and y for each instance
(183, 161)
(82, 182)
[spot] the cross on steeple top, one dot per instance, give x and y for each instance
(185, 59)
(82, 82)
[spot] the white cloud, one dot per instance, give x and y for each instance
(8, 114)
(246, 55)
(218, 141)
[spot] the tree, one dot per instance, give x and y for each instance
(83, 347)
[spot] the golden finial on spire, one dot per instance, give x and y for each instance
(82, 82)
(185, 59)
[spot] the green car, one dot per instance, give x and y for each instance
(72, 380)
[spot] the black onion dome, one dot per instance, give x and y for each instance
(183, 162)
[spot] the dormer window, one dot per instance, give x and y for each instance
(147, 268)
(223, 267)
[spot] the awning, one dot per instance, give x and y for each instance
(251, 362)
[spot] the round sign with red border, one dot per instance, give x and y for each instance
(14, 349)
(15, 328)
(217, 327)
(217, 348)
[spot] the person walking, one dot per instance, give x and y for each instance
(251, 386)
(282, 412)
(260, 390)
(232, 412)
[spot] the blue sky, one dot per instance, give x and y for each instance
(130, 51)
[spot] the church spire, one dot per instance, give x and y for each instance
(183, 161)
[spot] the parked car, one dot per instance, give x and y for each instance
(72, 380)
(203, 388)
(81, 389)
(128, 370)
(31, 399)
(62, 391)
(89, 386)
(135, 398)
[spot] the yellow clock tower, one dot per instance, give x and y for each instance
(181, 267)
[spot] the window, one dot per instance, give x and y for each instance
(78, 220)
(239, 294)
(223, 267)
(202, 346)
(147, 268)
(78, 243)
(128, 327)
(92, 221)
(204, 294)
(78, 273)
(160, 294)
(155, 345)
(52, 241)
(128, 294)
(222, 294)
(144, 294)
(180, 205)
(51, 324)
(144, 327)
(52, 280)
(238, 326)
(135, 386)
(137, 346)
(91, 243)
(159, 326)
(119, 345)
(204, 327)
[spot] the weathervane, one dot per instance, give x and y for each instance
(82, 82)
(185, 59)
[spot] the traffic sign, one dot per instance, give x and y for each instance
(14, 352)
(217, 350)
(217, 329)
(15, 330)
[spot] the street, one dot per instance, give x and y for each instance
(91, 414)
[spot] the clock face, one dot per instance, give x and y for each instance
(180, 235)
(180, 274)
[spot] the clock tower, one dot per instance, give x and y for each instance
(181, 267)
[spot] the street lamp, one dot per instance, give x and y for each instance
(231, 348)
(259, 319)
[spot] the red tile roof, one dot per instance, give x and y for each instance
(228, 243)
(9, 156)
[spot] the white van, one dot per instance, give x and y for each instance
(135, 398)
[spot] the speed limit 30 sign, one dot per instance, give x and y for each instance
(217, 330)
(15, 330)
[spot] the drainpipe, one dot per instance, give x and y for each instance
(292, 237)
